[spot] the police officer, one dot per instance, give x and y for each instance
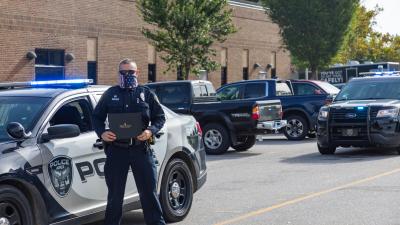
(129, 97)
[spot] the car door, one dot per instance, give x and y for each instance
(73, 167)
(161, 142)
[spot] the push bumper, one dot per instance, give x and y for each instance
(380, 132)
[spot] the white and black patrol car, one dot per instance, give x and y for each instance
(364, 114)
(52, 163)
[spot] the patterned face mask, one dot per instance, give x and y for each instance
(128, 79)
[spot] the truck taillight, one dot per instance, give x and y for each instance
(256, 113)
(199, 130)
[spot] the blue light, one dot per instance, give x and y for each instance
(62, 82)
(360, 108)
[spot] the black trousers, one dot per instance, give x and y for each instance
(145, 173)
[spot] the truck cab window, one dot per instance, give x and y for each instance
(306, 89)
(174, 94)
(282, 89)
(230, 93)
(256, 90)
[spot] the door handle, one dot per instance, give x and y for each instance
(159, 134)
(98, 144)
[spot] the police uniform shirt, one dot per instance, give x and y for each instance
(120, 100)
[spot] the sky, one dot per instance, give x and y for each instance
(388, 20)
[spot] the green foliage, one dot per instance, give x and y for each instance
(363, 43)
(312, 30)
(185, 30)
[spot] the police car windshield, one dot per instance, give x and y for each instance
(24, 110)
(370, 89)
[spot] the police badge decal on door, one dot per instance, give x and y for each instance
(60, 173)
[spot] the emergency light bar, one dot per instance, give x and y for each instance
(386, 73)
(50, 83)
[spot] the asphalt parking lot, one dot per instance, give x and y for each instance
(282, 182)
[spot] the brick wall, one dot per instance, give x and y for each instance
(57, 24)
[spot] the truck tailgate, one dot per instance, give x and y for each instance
(270, 110)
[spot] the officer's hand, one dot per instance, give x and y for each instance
(146, 135)
(108, 136)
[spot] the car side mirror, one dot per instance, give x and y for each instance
(61, 131)
(318, 92)
(17, 131)
(329, 99)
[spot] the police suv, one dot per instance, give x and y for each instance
(52, 163)
(365, 113)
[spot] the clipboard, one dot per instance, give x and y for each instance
(125, 125)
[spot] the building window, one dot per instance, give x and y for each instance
(245, 62)
(49, 64)
(273, 63)
(224, 66)
(152, 66)
(92, 59)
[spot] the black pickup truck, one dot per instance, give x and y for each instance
(225, 123)
(301, 100)
(365, 113)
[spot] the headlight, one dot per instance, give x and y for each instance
(323, 113)
(388, 113)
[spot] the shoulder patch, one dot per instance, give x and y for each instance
(142, 96)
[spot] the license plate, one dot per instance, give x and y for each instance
(350, 132)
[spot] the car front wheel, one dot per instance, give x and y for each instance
(330, 150)
(176, 191)
(14, 207)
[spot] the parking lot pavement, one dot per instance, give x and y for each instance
(282, 182)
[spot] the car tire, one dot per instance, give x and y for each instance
(330, 150)
(216, 139)
(296, 129)
(176, 191)
(14, 206)
(248, 142)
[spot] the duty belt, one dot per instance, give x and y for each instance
(126, 143)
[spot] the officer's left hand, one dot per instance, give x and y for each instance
(146, 135)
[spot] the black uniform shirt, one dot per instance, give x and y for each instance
(120, 100)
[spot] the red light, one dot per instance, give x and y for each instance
(199, 130)
(256, 113)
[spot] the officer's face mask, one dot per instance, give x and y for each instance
(128, 79)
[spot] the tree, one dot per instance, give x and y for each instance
(312, 30)
(185, 30)
(363, 43)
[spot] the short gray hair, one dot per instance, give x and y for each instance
(127, 61)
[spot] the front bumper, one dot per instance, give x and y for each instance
(384, 132)
(272, 125)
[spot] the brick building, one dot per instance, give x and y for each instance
(45, 39)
